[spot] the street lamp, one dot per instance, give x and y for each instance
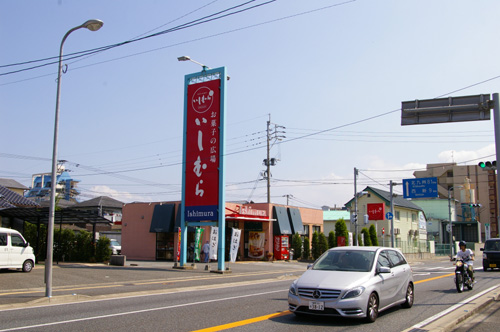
(187, 58)
(92, 25)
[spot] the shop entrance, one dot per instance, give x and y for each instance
(254, 240)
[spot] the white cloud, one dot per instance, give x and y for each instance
(470, 157)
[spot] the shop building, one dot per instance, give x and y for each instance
(149, 230)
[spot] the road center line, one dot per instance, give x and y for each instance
(139, 311)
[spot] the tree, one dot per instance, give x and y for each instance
(297, 245)
(332, 240)
(373, 235)
(366, 237)
(307, 249)
(323, 243)
(341, 230)
(315, 246)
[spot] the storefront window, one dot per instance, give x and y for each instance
(164, 246)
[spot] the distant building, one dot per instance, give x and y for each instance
(466, 185)
(41, 184)
(14, 186)
(409, 218)
(330, 217)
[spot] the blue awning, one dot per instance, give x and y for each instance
(282, 224)
(163, 219)
(297, 226)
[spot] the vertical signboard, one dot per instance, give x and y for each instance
(202, 151)
(203, 182)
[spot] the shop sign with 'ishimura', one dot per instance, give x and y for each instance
(202, 150)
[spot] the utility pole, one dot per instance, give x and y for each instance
(392, 184)
(268, 162)
(287, 197)
(354, 218)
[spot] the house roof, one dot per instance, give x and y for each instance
(7, 197)
(9, 183)
(102, 201)
(398, 200)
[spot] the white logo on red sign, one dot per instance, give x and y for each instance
(202, 99)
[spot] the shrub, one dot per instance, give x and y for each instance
(366, 237)
(297, 245)
(373, 235)
(323, 244)
(102, 250)
(341, 230)
(307, 249)
(315, 249)
(332, 240)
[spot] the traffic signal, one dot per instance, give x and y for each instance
(475, 205)
(354, 218)
(486, 165)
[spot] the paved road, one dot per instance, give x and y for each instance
(77, 283)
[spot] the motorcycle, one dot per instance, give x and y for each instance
(462, 277)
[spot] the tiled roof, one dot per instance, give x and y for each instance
(7, 195)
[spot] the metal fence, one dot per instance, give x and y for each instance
(412, 247)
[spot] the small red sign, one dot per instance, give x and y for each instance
(376, 211)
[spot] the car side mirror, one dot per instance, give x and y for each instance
(384, 269)
(309, 266)
(26, 244)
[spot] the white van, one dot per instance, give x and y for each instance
(15, 252)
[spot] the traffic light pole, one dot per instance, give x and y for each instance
(496, 117)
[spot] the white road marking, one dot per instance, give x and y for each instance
(139, 311)
(450, 309)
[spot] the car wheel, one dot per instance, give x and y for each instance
(410, 297)
(27, 266)
(372, 308)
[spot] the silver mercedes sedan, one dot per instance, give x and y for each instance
(356, 282)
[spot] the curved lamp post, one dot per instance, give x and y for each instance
(92, 25)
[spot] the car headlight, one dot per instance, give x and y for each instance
(293, 289)
(355, 292)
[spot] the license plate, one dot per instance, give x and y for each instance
(493, 265)
(313, 305)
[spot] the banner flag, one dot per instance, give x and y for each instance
(197, 243)
(214, 242)
(235, 244)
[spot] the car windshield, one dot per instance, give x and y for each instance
(114, 243)
(345, 260)
(492, 245)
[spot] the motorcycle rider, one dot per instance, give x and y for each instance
(467, 256)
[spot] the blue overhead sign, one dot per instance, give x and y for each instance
(420, 188)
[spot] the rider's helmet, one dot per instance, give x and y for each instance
(462, 243)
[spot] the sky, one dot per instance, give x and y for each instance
(332, 72)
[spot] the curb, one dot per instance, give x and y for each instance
(450, 318)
